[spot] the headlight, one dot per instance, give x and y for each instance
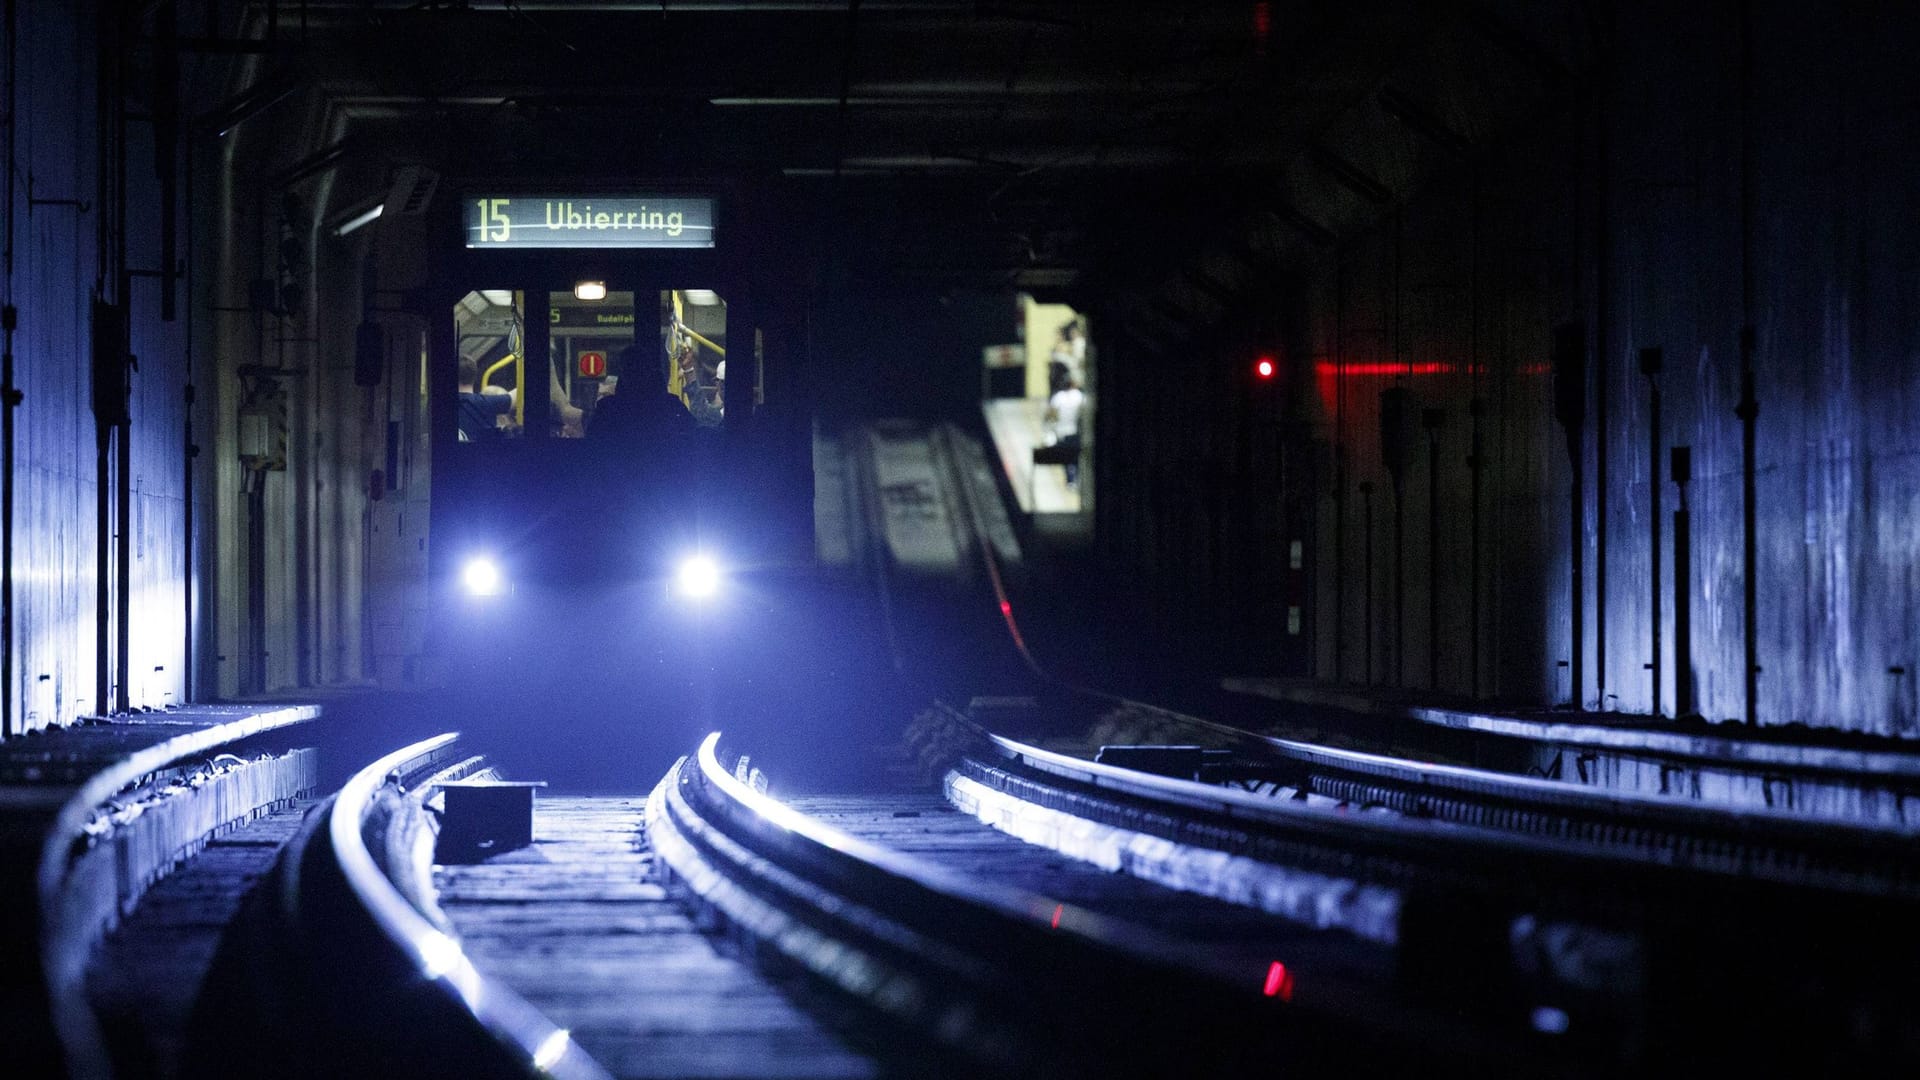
(482, 577)
(697, 578)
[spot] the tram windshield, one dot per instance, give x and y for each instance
(613, 344)
(490, 330)
(598, 351)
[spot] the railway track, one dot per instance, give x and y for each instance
(1845, 787)
(998, 956)
(91, 818)
(1869, 859)
(1611, 906)
(1048, 916)
(1228, 903)
(341, 964)
(1865, 859)
(373, 948)
(1032, 914)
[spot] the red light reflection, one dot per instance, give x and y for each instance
(1279, 982)
(1365, 368)
(1006, 608)
(1057, 909)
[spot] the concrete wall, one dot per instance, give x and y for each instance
(321, 529)
(62, 255)
(1645, 163)
(342, 575)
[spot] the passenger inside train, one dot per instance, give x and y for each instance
(483, 409)
(596, 355)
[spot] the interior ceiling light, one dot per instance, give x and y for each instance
(498, 297)
(701, 297)
(362, 218)
(590, 290)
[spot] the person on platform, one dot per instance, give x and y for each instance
(1063, 423)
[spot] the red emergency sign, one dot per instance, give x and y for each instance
(593, 365)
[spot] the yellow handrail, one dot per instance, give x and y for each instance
(487, 375)
(695, 336)
(519, 380)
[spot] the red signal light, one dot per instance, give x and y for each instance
(1263, 367)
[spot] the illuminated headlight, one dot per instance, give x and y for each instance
(698, 577)
(482, 577)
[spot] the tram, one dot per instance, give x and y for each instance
(620, 465)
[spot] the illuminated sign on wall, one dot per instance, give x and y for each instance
(588, 221)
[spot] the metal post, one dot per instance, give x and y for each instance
(256, 491)
(1650, 364)
(1602, 367)
(1683, 704)
(9, 396)
(122, 389)
(1476, 452)
(1432, 419)
(1366, 622)
(1339, 468)
(1570, 403)
(189, 451)
(102, 570)
(1339, 564)
(1394, 402)
(1748, 410)
(123, 556)
(1476, 461)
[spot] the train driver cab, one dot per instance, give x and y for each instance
(599, 366)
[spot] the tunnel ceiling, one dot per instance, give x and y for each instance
(1169, 156)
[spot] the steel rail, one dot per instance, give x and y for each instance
(1872, 860)
(1525, 918)
(1865, 858)
(67, 932)
(1394, 851)
(1698, 749)
(931, 942)
(533, 1044)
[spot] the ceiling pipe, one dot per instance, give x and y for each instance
(660, 7)
(1139, 157)
(272, 88)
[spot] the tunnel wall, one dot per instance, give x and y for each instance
(62, 256)
(1622, 213)
(1614, 205)
(339, 576)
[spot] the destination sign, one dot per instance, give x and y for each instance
(582, 317)
(588, 221)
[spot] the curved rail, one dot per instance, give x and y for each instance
(1862, 858)
(530, 1042)
(69, 929)
(1558, 933)
(1015, 980)
(1772, 845)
